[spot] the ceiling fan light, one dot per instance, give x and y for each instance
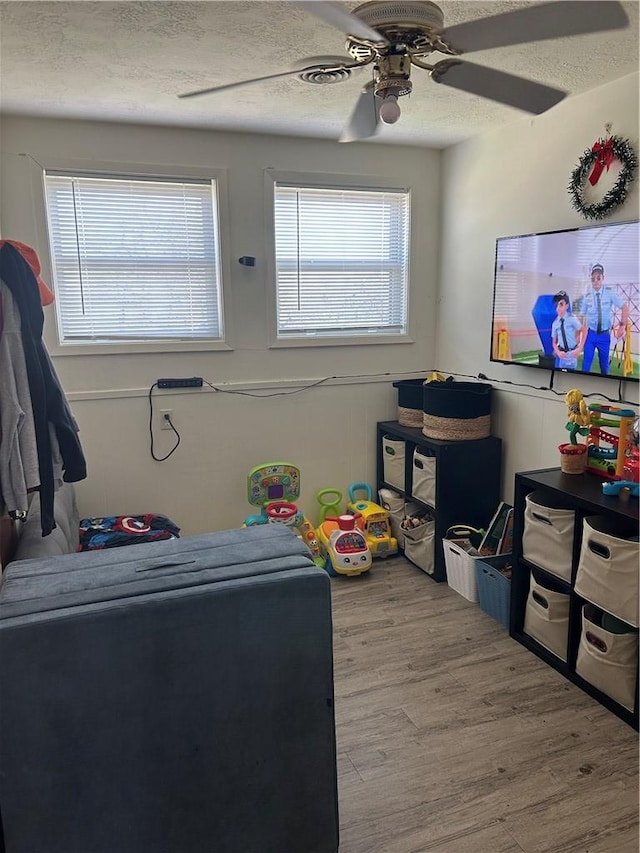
(390, 110)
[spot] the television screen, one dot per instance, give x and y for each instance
(569, 300)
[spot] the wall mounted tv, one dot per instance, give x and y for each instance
(570, 300)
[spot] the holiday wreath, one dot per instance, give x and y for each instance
(594, 160)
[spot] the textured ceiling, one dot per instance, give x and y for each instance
(126, 61)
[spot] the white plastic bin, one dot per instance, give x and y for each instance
(419, 546)
(608, 659)
(460, 561)
(423, 477)
(547, 538)
(546, 618)
(608, 568)
(393, 452)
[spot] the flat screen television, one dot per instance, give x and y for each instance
(569, 300)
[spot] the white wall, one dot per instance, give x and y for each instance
(510, 181)
(507, 182)
(329, 432)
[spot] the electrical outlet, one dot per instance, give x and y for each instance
(164, 414)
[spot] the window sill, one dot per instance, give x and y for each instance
(85, 349)
(321, 341)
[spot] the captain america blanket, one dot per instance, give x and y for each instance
(116, 530)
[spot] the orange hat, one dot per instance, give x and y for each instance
(31, 257)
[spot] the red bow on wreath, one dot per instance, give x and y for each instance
(605, 157)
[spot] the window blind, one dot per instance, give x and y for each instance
(342, 261)
(134, 260)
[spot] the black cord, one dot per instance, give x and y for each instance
(316, 383)
(275, 393)
(169, 421)
(547, 387)
(481, 376)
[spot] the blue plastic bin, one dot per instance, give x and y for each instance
(494, 589)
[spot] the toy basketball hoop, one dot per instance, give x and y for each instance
(281, 512)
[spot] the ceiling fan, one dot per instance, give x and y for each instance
(391, 37)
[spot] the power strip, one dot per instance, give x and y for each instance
(193, 382)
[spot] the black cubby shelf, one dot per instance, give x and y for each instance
(583, 494)
(467, 480)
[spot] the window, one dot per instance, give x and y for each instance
(135, 260)
(341, 261)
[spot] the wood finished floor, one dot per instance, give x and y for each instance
(453, 738)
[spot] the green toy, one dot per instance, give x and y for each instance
(329, 506)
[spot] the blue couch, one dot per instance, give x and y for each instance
(175, 697)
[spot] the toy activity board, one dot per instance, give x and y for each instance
(275, 488)
(275, 481)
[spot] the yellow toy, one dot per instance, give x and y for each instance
(343, 547)
(375, 521)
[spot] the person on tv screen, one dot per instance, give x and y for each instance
(566, 334)
(597, 315)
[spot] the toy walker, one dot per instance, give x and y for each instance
(330, 501)
(274, 488)
(343, 546)
(375, 521)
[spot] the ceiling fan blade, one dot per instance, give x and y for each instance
(235, 85)
(537, 23)
(497, 85)
(364, 119)
(336, 15)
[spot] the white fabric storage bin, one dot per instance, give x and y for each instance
(460, 561)
(409, 510)
(547, 538)
(393, 450)
(391, 501)
(397, 508)
(419, 546)
(546, 618)
(423, 478)
(608, 661)
(608, 568)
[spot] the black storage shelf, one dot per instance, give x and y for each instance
(467, 480)
(548, 657)
(560, 583)
(583, 494)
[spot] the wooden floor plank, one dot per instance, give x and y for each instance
(454, 738)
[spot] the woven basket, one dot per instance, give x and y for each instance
(409, 402)
(573, 458)
(456, 429)
(456, 411)
(410, 417)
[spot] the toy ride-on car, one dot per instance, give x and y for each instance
(343, 546)
(375, 521)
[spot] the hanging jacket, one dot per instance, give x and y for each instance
(47, 398)
(19, 472)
